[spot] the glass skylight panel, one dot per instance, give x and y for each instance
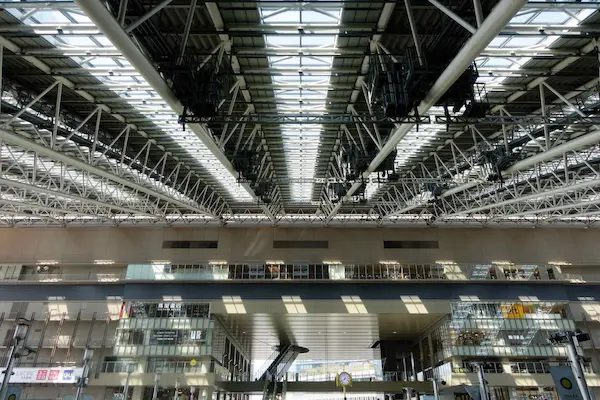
(85, 41)
(530, 43)
(300, 142)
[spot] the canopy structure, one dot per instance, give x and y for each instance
(92, 133)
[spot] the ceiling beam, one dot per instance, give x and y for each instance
(106, 22)
(27, 144)
(217, 20)
(42, 66)
(493, 24)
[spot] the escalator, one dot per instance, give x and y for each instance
(282, 362)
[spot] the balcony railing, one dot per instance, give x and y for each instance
(389, 271)
(330, 376)
(67, 277)
(525, 367)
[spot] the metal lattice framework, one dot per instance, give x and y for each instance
(90, 133)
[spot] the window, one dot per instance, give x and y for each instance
(130, 336)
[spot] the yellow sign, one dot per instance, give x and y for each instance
(193, 362)
(514, 311)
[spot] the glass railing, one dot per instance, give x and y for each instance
(265, 365)
(330, 376)
(68, 277)
(352, 272)
(443, 270)
(113, 367)
(175, 367)
(388, 271)
(525, 367)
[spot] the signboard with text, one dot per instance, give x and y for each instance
(46, 375)
(164, 336)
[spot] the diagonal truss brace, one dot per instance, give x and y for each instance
(106, 22)
(493, 24)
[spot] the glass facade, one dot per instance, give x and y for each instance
(480, 329)
(164, 328)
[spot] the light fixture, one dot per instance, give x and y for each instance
(275, 262)
(388, 262)
(502, 262)
(47, 262)
(160, 262)
(218, 262)
(558, 263)
(104, 262)
(330, 262)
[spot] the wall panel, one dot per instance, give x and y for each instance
(238, 245)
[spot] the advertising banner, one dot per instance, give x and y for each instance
(45, 375)
(565, 383)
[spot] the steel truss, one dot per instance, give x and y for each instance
(548, 191)
(551, 184)
(347, 119)
(51, 157)
(320, 119)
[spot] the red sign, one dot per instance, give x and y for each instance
(54, 374)
(42, 374)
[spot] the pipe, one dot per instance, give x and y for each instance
(553, 71)
(556, 208)
(575, 144)
(493, 24)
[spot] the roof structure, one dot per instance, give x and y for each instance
(90, 124)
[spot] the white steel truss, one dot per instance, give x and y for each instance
(50, 176)
(36, 158)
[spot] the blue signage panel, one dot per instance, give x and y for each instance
(565, 383)
(14, 393)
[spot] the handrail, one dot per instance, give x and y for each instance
(263, 368)
(65, 277)
(313, 272)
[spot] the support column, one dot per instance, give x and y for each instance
(431, 355)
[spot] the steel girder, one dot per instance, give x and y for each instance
(494, 23)
(77, 129)
(111, 28)
(548, 190)
(97, 173)
(534, 140)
